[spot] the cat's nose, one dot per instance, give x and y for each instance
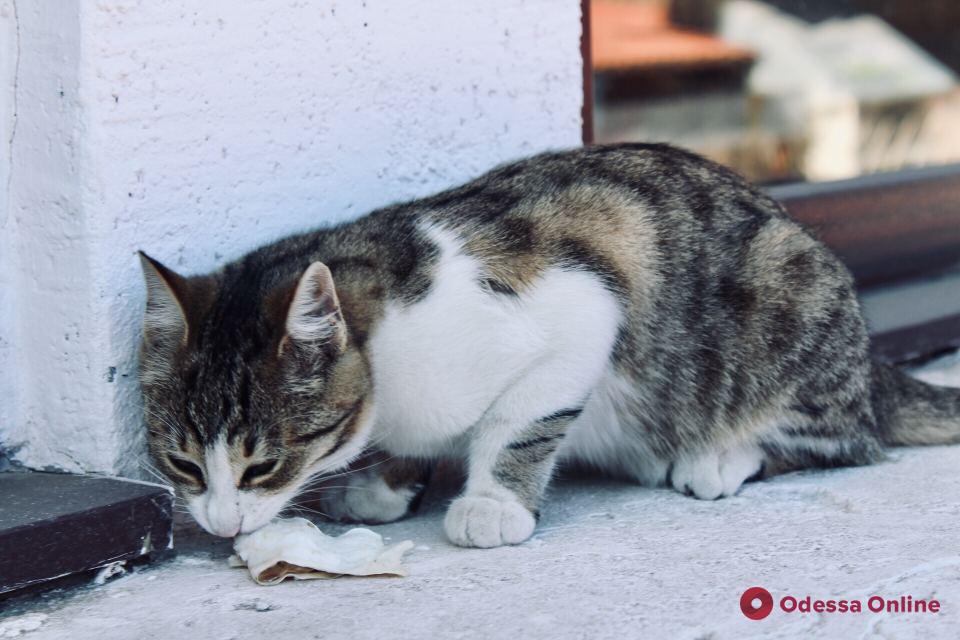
(224, 518)
(225, 531)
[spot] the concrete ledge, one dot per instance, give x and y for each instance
(55, 525)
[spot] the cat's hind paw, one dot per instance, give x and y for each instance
(477, 521)
(715, 475)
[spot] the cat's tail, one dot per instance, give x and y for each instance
(911, 412)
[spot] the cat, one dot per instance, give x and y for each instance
(634, 308)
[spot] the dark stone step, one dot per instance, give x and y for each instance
(54, 525)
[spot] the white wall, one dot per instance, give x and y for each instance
(52, 332)
(8, 58)
(197, 131)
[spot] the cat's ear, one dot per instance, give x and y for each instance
(314, 318)
(165, 319)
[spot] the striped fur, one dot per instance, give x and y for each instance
(633, 308)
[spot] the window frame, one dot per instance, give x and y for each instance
(891, 229)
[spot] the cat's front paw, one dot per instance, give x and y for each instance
(367, 498)
(477, 521)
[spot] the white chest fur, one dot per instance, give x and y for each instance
(439, 364)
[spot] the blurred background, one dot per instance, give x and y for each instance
(781, 90)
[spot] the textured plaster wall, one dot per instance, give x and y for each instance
(54, 331)
(8, 61)
(197, 131)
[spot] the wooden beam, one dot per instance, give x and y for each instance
(586, 53)
(900, 235)
(917, 342)
(886, 227)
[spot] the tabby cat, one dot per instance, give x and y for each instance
(634, 308)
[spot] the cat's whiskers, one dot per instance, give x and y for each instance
(174, 433)
(146, 465)
(156, 474)
(301, 507)
(163, 417)
(315, 481)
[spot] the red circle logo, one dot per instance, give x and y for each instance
(756, 603)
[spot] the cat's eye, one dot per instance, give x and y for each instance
(257, 471)
(187, 468)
